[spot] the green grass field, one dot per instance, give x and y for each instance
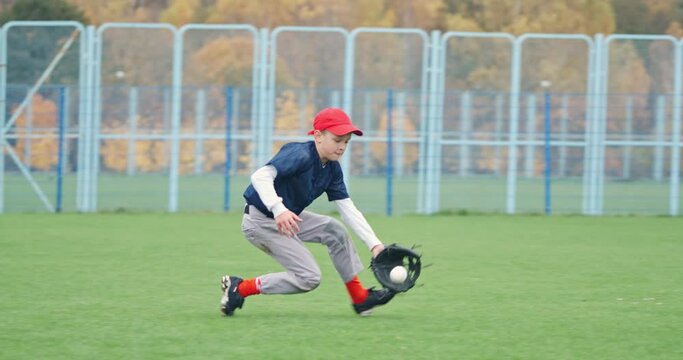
(145, 286)
(149, 192)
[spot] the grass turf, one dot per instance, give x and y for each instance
(112, 286)
(149, 192)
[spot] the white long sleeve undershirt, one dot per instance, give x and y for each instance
(263, 181)
(355, 219)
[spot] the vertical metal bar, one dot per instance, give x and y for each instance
(601, 122)
(91, 143)
(83, 96)
(660, 114)
(676, 132)
(428, 83)
(86, 129)
(349, 72)
(60, 148)
(592, 129)
(96, 123)
(432, 126)
(175, 120)
(67, 116)
(271, 90)
(530, 136)
(228, 149)
(390, 160)
(3, 111)
(590, 98)
(514, 124)
(260, 151)
(547, 153)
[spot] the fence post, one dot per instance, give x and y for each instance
(515, 75)
(546, 148)
(390, 160)
(530, 136)
(228, 149)
(60, 148)
(174, 109)
(676, 133)
(3, 95)
(658, 165)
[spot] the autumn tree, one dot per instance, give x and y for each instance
(30, 49)
(41, 152)
(517, 17)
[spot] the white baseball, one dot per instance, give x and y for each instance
(398, 274)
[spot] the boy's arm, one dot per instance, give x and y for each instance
(263, 181)
(355, 219)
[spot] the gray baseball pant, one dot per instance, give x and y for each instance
(303, 273)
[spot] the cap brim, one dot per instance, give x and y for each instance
(341, 130)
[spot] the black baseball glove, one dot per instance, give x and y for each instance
(395, 255)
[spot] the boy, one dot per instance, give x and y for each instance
(275, 220)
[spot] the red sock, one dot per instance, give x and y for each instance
(356, 290)
(249, 287)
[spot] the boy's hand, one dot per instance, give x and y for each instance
(287, 223)
(377, 249)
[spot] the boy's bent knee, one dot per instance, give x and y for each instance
(309, 282)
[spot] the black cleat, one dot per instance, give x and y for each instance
(231, 299)
(375, 298)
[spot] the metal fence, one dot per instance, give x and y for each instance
(149, 117)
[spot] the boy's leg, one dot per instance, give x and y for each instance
(331, 233)
(303, 273)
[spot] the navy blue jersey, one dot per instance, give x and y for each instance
(301, 178)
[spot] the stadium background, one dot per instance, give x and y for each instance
(135, 116)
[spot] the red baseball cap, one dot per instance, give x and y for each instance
(335, 121)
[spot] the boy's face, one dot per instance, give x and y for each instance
(330, 146)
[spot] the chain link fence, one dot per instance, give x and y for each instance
(149, 117)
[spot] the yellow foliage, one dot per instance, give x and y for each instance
(150, 155)
(181, 12)
(675, 29)
(624, 59)
(545, 16)
(222, 61)
(459, 22)
(43, 150)
(287, 113)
